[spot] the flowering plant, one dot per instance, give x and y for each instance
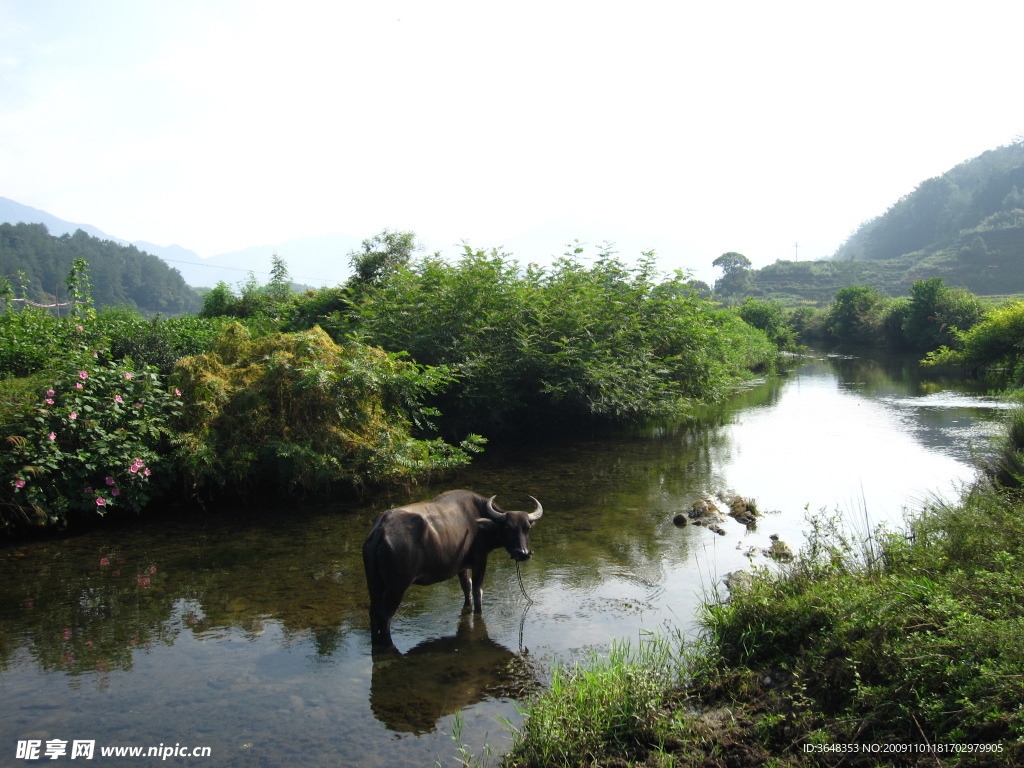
(91, 441)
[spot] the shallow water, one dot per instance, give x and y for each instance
(250, 636)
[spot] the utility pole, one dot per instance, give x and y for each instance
(796, 249)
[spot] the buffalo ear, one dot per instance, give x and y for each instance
(485, 523)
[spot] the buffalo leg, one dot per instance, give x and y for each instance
(467, 587)
(478, 586)
(382, 610)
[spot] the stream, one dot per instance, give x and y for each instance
(248, 635)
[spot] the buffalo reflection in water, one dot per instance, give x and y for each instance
(411, 692)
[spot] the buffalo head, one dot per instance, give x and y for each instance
(514, 528)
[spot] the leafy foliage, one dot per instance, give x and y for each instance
(856, 315)
(32, 339)
(898, 638)
(933, 316)
(94, 439)
(575, 341)
(735, 279)
(770, 317)
(941, 207)
(996, 341)
(298, 413)
(37, 263)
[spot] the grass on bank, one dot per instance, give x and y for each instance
(911, 642)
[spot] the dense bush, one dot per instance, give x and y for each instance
(94, 439)
(297, 412)
(31, 340)
(158, 342)
(932, 316)
(571, 341)
(770, 317)
(936, 312)
(856, 315)
(995, 342)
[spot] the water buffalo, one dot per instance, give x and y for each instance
(431, 541)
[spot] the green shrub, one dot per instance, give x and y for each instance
(771, 318)
(32, 339)
(159, 342)
(536, 346)
(297, 413)
(91, 441)
(856, 315)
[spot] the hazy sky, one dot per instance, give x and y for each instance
(696, 127)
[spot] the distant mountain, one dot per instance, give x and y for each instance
(14, 212)
(316, 261)
(36, 262)
(965, 226)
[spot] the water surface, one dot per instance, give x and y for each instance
(249, 635)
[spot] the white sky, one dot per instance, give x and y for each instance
(698, 127)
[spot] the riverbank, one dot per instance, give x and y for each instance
(899, 648)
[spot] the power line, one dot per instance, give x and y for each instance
(241, 269)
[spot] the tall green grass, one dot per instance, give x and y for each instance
(913, 638)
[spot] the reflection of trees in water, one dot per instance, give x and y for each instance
(411, 692)
(86, 604)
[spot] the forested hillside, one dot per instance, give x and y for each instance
(976, 196)
(965, 226)
(36, 264)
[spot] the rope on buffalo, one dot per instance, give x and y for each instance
(522, 588)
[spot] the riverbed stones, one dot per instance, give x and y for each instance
(704, 511)
(779, 550)
(737, 581)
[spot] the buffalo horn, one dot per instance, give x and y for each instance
(535, 515)
(495, 514)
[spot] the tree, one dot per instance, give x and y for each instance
(280, 286)
(381, 254)
(732, 262)
(736, 277)
(856, 315)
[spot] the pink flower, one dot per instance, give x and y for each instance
(49, 401)
(19, 483)
(67, 634)
(52, 435)
(133, 469)
(117, 399)
(88, 490)
(83, 375)
(177, 392)
(104, 561)
(115, 491)
(128, 376)
(73, 415)
(50, 393)
(138, 404)
(101, 502)
(152, 569)
(79, 328)
(144, 581)
(78, 385)
(146, 472)
(109, 481)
